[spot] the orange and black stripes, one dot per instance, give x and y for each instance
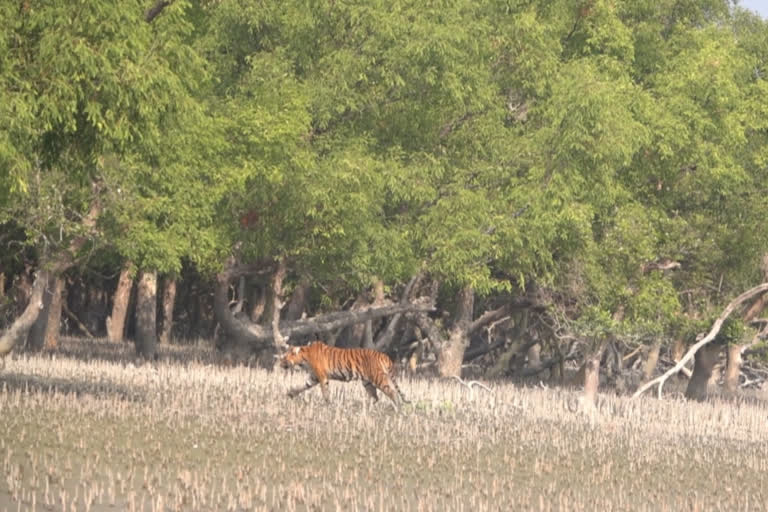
(325, 363)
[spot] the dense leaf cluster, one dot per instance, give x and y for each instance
(571, 145)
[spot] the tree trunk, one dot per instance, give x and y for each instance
(519, 331)
(169, 301)
(451, 354)
(733, 368)
(277, 304)
(21, 326)
(353, 335)
(534, 356)
(36, 336)
(678, 349)
(258, 303)
(652, 361)
(591, 380)
(116, 321)
(378, 300)
(368, 335)
(146, 315)
(44, 333)
(298, 301)
(53, 326)
(703, 364)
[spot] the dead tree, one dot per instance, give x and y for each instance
(706, 339)
(267, 337)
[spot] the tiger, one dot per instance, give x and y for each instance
(324, 363)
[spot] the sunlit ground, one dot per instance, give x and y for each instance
(92, 431)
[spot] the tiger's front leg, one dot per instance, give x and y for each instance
(311, 382)
(371, 389)
(326, 392)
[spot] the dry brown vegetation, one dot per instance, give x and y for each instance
(87, 430)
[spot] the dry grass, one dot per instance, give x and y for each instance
(95, 433)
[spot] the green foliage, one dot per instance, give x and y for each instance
(734, 331)
(91, 94)
(491, 144)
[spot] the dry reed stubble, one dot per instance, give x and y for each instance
(187, 435)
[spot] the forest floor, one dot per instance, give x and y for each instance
(86, 429)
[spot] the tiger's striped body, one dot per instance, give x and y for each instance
(325, 363)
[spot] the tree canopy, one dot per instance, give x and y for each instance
(574, 147)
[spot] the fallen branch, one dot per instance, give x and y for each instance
(77, 321)
(684, 370)
(473, 383)
(749, 382)
(632, 354)
(261, 337)
(706, 339)
(476, 352)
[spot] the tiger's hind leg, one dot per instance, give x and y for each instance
(371, 389)
(389, 388)
(399, 392)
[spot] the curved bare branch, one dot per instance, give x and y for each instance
(706, 339)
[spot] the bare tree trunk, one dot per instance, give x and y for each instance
(451, 354)
(591, 380)
(277, 304)
(519, 331)
(652, 361)
(21, 326)
(258, 303)
(534, 356)
(386, 337)
(53, 325)
(678, 349)
(36, 336)
(703, 364)
(379, 299)
(146, 315)
(116, 321)
(169, 301)
(368, 335)
(298, 301)
(733, 368)
(757, 307)
(353, 335)
(44, 333)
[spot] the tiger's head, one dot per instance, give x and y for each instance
(292, 357)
